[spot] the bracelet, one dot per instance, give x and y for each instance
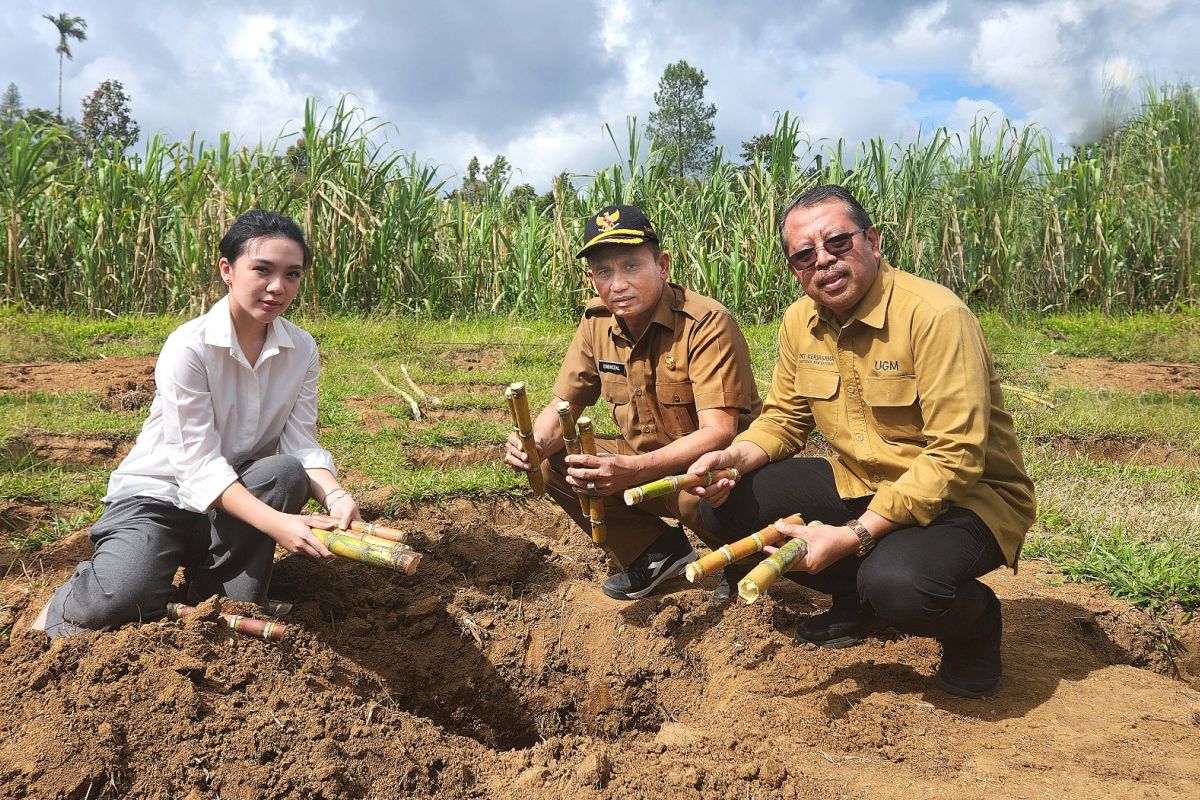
(329, 502)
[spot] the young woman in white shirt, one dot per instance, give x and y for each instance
(227, 458)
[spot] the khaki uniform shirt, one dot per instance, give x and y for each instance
(907, 395)
(692, 357)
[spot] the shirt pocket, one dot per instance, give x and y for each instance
(894, 409)
(819, 388)
(615, 390)
(677, 403)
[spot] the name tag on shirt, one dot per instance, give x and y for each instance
(615, 367)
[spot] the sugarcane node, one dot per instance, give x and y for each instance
(736, 551)
(675, 483)
(769, 570)
(518, 404)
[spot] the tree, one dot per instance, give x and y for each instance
(10, 106)
(523, 194)
(488, 188)
(682, 126)
(758, 149)
(69, 27)
(64, 134)
(106, 116)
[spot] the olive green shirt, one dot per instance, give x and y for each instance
(907, 395)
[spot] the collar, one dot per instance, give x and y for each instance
(218, 329)
(870, 311)
(669, 302)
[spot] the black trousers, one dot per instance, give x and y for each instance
(921, 581)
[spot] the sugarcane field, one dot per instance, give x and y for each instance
(600, 400)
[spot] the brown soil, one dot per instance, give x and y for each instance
(499, 670)
(475, 455)
(66, 449)
(1124, 450)
(1134, 377)
(374, 414)
(117, 374)
(487, 358)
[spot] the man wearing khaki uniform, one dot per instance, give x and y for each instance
(926, 490)
(675, 369)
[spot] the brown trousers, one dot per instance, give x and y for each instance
(631, 529)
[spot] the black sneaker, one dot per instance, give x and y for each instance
(971, 668)
(666, 558)
(845, 624)
(727, 587)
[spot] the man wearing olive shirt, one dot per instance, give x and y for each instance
(926, 490)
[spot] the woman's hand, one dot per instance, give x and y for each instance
(344, 509)
(293, 533)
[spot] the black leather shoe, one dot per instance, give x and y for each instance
(666, 558)
(971, 668)
(843, 625)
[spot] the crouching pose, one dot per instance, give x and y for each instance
(227, 458)
(926, 490)
(675, 369)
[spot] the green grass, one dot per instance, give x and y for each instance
(1133, 527)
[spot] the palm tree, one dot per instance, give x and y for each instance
(68, 28)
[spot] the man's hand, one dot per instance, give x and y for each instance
(514, 454)
(292, 533)
(716, 493)
(603, 474)
(826, 544)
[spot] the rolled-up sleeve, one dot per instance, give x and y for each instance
(190, 439)
(299, 435)
(719, 364)
(952, 372)
(578, 379)
(783, 427)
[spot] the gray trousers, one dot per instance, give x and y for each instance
(141, 542)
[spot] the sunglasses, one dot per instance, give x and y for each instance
(835, 245)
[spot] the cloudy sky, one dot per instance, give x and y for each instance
(537, 80)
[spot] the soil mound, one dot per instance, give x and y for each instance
(500, 670)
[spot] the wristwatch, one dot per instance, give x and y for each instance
(866, 542)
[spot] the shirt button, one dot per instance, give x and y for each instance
(647, 428)
(875, 479)
(676, 398)
(852, 390)
(638, 392)
(858, 437)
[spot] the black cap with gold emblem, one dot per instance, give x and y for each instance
(616, 225)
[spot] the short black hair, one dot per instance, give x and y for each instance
(817, 195)
(259, 224)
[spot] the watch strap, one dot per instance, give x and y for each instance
(866, 542)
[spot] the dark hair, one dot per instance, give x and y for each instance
(824, 193)
(259, 224)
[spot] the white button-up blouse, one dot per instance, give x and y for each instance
(214, 411)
